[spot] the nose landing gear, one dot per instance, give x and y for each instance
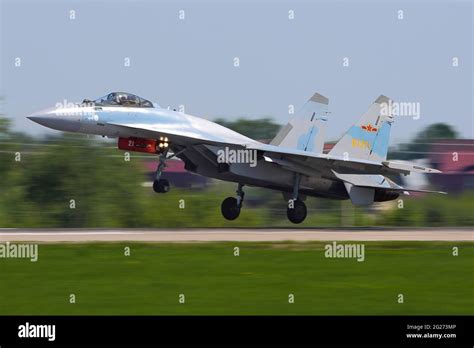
(161, 185)
(230, 207)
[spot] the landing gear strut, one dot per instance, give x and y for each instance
(296, 211)
(230, 207)
(161, 185)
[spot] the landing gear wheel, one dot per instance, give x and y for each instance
(230, 209)
(297, 214)
(161, 186)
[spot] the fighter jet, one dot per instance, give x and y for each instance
(293, 162)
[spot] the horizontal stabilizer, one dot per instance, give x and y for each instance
(404, 189)
(366, 180)
(409, 167)
(376, 182)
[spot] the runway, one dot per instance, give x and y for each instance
(228, 235)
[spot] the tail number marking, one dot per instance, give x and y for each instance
(363, 144)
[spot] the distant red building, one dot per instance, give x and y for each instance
(176, 174)
(455, 158)
(328, 147)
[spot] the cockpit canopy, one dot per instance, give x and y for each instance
(122, 99)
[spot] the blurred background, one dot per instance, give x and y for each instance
(183, 55)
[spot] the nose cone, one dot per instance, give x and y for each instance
(56, 119)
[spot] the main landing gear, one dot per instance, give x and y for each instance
(230, 207)
(296, 211)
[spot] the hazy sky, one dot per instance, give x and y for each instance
(283, 61)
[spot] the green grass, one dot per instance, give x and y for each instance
(256, 282)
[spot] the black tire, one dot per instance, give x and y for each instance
(229, 208)
(161, 186)
(297, 214)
